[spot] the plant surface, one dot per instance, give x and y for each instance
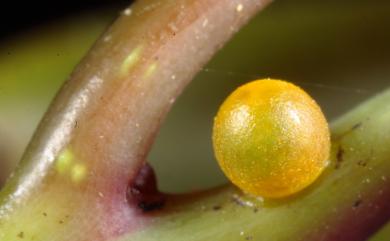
(80, 177)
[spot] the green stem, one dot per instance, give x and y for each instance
(350, 201)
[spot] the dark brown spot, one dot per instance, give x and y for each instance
(356, 126)
(349, 131)
(255, 210)
(339, 157)
(217, 208)
(151, 206)
(61, 222)
(362, 163)
(248, 238)
(144, 192)
(21, 235)
(44, 214)
(357, 203)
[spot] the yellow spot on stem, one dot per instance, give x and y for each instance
(64, 161)
(150, 70)
(79, 172)
(68, 166)
(131, 60)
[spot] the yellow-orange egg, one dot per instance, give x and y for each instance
(271, 138)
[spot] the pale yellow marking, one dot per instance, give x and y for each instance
(131, 60)
(150, 70)
(67, 165)
(64, 161)
(79, 172)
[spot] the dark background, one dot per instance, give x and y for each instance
(16, 16)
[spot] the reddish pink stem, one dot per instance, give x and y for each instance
(109, 111)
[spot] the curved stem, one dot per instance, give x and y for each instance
(95, 136)
(75, 175)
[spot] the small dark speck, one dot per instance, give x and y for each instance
(151, 206)
(357, 203)
(61, 222)
(339, 157)
(21, 235)
(362, 163)
(255, 210)
(354, 127)
(217, 208)
(44, 214)
(8, 53)
(248, 238)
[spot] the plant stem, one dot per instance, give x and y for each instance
(349, 202)
(96, 134)
(74, 178)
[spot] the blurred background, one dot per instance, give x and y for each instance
(338, 51)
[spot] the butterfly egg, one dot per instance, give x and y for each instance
(271, 138)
